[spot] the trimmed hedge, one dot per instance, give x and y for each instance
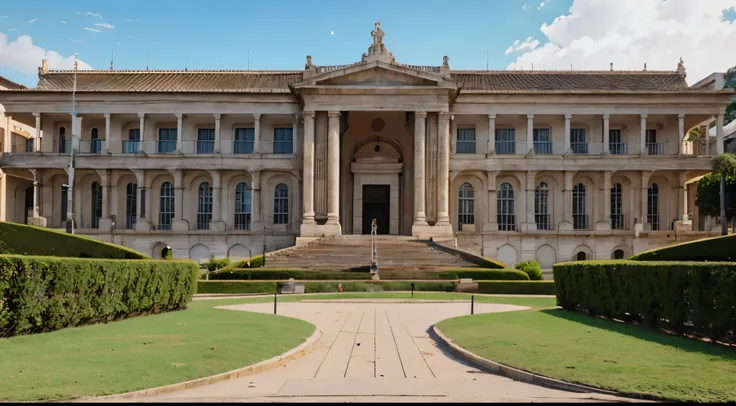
(531, 268)
(29, 240)
(252, 262)
(508, 274)
(680, 296)
(714, 249)
(320, 287)
(285, 274)
(39, 294)
(517, 287)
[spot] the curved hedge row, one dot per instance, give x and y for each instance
(682, 296)
(39, 294)
(21, 239)
(714, 249)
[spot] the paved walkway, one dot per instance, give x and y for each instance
(372, 352)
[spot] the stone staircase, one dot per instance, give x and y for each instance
(354, 251)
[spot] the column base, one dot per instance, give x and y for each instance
(527, 227)
(316, 230)
(180, 225)
(683, 225)
(602, 226)
(37, 221)
(638, 229)
(425, 232)
(142, 225)
(105, 225)
(217, 225)
(565, 226)
(490, 227)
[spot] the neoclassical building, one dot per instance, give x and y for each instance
(516, 165)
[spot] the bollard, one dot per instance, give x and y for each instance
(472, 304)
(274, 297)
(412, 290)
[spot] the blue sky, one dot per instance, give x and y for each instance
(220, 34)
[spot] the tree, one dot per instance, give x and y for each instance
(724, 167)
(730, 83)
(708, 194)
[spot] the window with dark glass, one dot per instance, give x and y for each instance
(466, 205)
(204, 208)
(244, 140)
(505, 207)
(281, 204)
(205, 140)
(541, 207)
(131, 195)
(283, 140)
(465, 141)
(166, 207)
(166, 140)
(243, 206)
(96, 204)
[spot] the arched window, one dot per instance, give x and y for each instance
(465, 206)
(131, 200)
(579, 211)
(653, 206)
(618, 254)
(281, 204)
(96, 204)
(541, 207)
(166, 207)
(243, 206)
(581, 256)
(617, 214)
(95, 144)
(505, 207)
(204, 208)
(63, 147)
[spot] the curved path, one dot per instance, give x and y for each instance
(373, 352)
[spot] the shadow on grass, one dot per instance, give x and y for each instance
(644, 333)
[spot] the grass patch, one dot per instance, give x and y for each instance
(143, 352)
(600, 353)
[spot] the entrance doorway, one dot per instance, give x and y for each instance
(376, 205)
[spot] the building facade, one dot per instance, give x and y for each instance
(515, 165)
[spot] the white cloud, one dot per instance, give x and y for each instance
(92, 29)
(524, 7)
(105, 25)
(32, 21)
(63, 22)
(542, 4)
(76, 41)
(528, 44)
(630, 33)
(23, 56)
(89, 13)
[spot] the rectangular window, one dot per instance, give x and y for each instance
(505, 141)
(244, 140)
(133, 143)
(542, 141)
(283, 140)
(578, 141)
(166, 140)
(29, 145)
(206, 141)
(143, 203)
(653, 147)
(615, 144)
(131, 195)
(465, 141)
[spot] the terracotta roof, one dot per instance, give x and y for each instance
(9, 84)
(277, 81)
(169, 81)
(523, 81)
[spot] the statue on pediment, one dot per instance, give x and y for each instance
(309, 64)
(681, 67)
(378, 47)
(445, 61)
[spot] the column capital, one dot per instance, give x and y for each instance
(107, 115)
(445, 115)
(297, 117)
(568, 116)
(721, 115)
(141, 115)
(529, 116)
(306, 114)
(681, 116)
(179, 116)
(333, 114)
(256, 116)
(36, 114)
(644, 116)
(492, 116)
(218, 116)
(606, 116)
(420, 114)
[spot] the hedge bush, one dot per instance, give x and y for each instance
(252, 262)
(517, 287)
(320, 287)
(39, 294)
(21, 239)
(681, 296)
(531, 268)
(508, 274)
(714, 249)
(284, 274)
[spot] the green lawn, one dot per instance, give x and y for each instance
(142, 352)
(601, 353)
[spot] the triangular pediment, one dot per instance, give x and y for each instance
(376, 74)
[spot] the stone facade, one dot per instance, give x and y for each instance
(514, 165)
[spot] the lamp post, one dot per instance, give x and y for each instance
(112, 230)
(70, 190)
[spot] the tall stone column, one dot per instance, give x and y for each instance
(37, 139)
(7, 136)
(105, 224)
(179, 129)
(142, 127)
(143, 200)
(643, 135)
(491, 224)
(606, 133)
(568, 117)
(333, 169)
(529, 133)
(216, 224)
(420, 120)
(529, 223)
(180, 223)
(643, 220)
(443, 176)
(491, 134)
(36, 219)
(604, 222)
(681, 134)
(719, 134)
(308, 172)
(566, 223)
(257, 222)
(256, 133)
(107, 132)
(218, 116)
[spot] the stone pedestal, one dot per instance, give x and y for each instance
(142, 225)
(424, 232)
(683, 225)
(565, 226)
(37, 221)
(602, 226)
(218, 226)
(528, 227)
(105, 225)
(638, 229)
(325, 230)
(180, 225)
(490, 227)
